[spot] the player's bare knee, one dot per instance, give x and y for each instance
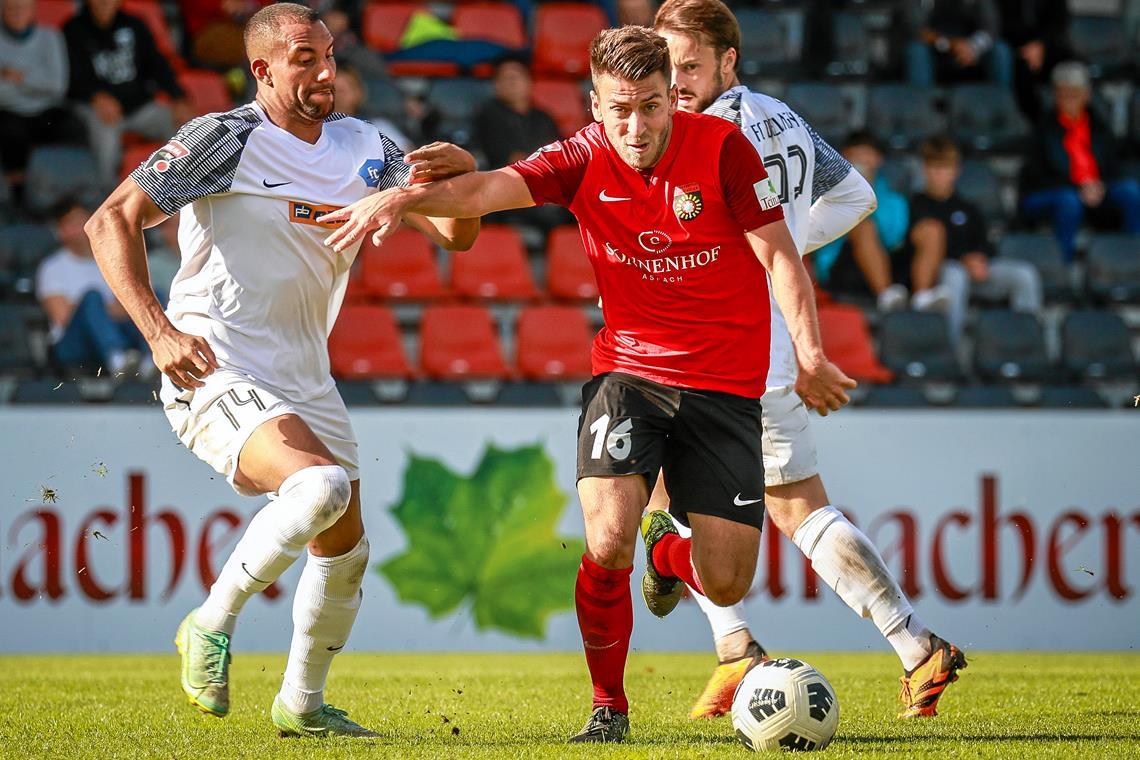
(727, 589)
(611, 550)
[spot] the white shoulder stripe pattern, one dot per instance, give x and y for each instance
(830, 166)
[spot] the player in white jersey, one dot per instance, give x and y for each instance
(243, 341)
(822, 198)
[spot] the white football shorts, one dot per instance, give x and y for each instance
(789, 445)
(216, 420)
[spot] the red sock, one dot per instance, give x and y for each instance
(672, 556)
(605, 617)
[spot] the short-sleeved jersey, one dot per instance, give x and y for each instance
(802, 166)
(683, 294)
(256, 279)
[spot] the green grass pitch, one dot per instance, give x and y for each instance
(520, 706)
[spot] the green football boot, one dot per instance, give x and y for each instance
(605, 726)
(661, 593)
(326, 720)
(205, 666)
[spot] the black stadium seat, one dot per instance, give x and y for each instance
(385, 100)
(1102, 41)
(901, 116)
(916, 346)
(1113, 273)
(1010, 346)
(1042, 251)
(15, 349)
(56, 172)
(979, 185)
(851, 55)
(824, 106)
(458, 100)
(22, 248)
(1097, 345)
(984, 396)
(764, 43)
(985, 117)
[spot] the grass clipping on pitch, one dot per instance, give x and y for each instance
(520, 706)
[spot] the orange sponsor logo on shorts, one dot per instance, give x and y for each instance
(311, 213)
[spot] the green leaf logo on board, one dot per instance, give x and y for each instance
(487, 539)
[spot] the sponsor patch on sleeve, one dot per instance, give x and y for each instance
(161, 158)
(766, 194)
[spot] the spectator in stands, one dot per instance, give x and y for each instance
(116, 71)
(509, 127)
(351, 92)
(875, 255)
(966, 268)
(214, 29)
(955, 41)
(1038, 32)
(1073, 164)
(88, 325)
(33, 83)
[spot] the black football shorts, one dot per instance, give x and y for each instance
(708, 444)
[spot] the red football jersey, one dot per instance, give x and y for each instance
(684, 297)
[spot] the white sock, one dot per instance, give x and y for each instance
(324, 609)
(847, 561)
(722, 620)
(308, 502)
(911, 640)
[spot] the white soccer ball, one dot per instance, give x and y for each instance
(785, 704)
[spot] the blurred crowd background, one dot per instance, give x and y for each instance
(1002, 267)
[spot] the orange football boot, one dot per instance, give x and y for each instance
(923, 686)
(716, 699)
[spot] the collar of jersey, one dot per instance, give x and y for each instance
(297, 141)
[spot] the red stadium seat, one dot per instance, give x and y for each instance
(562, 36)
(404, 267)
(365, 343)
(383, 23)
(460, 342)
(496, 266)
(495, 22)
(54, 13)
(553, 343)
(206, 91)
(569, 274)
(134, 154)
(847, 342)
(150, 11)
(564, 102)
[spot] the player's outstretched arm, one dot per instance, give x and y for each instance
(116, 234)
(822, 385)
(838, 210)
(433, 163)
(465, 197)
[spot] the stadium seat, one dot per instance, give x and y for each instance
(494, 22)
(1102, 42)
(847, 342)
(382, 23)
(528, 394)
(984, 396)
(1096, 345)
(496, 267)
(824, 106)
(916, 346)
(901, 115)
(15, 349)
(134, 155)
(152, 14)
(985, 117)
(562, 36)
(564, 101)
(460, 342)
(569, 274)
(1070, 397)
(404, 268)
(553, 343)
(764, 43)
(1113, 268)
(458, 100)
(851, 55)
(384, 100)
(56, 172)
(1042, 251)
(22, 248)
(1010, 346)
(432, 393)
(979, 185)
(365, 343)
(54, 13)
(893, 396)
(206, 90)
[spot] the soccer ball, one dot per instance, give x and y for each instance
(785, 704)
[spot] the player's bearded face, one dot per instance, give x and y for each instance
(637, 116)
(699, 74)
(307, 76)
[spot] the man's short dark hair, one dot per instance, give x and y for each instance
(66, 205)
(632, 53)
(265, 25)
(862, 138)
(939, 150)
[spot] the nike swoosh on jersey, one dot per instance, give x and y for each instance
(609, 198)
(275, 184)
(745, 502)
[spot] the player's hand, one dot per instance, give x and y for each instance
(824, 387)
(185, 359)
(379, 214)
(439, 160)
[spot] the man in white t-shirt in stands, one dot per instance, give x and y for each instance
(89, 326)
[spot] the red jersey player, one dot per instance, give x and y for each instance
(680, 224)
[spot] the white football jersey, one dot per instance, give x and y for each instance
(256, 279)
(802, 167)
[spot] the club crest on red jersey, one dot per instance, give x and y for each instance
(687, 203)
